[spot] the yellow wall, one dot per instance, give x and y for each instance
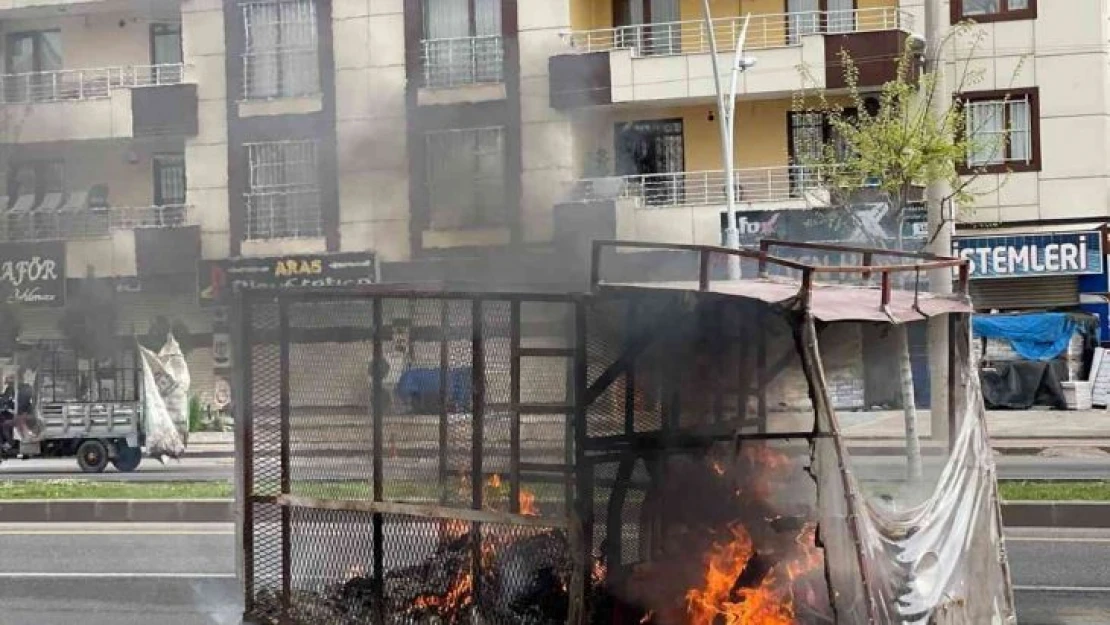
(760, 134)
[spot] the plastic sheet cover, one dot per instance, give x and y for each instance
(939, 562)
(163, 437)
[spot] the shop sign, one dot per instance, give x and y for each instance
(217, 280)
(1054, 254)
(33, 274)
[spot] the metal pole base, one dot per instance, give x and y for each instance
(732, 241)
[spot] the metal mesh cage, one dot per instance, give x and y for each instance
(408, 458)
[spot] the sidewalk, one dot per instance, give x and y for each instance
(1012, 432)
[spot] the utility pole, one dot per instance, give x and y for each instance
(940, 228)
(726, 123)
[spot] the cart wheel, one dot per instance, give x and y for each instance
(127, 458)
(92, 456)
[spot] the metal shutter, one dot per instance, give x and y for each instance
(1025, 293)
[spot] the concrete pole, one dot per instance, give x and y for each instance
(936, 16)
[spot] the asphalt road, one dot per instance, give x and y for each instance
(203, 469)
(161, 575)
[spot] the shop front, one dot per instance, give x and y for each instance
(218, 281)
(1033, 271)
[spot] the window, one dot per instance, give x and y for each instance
(35, 179)
(283, 198)
(809, 133)
(1004, 131)
(280, 59)
(26, 57)
(169, 179)
(649, 27)
(166, 54)
(653, 154)
(462, 43)
(993, 10)
(466, 178)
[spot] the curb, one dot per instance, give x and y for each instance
(1070, 514)
(118, 511)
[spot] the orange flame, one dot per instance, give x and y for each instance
(528, 505)
(768, 603)
(494, 482)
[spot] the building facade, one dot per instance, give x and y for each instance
(175, 149)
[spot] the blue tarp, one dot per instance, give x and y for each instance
(1041, 336)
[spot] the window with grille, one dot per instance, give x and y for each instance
(1002, 131)
(993, 10)
(283, 198)
(462, 43)
(466, 178)
(280, 58)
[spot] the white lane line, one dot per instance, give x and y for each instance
(116, 532)
(1072, 589)
(1056, 539)
(97, 574)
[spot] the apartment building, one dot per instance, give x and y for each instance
(178, 148)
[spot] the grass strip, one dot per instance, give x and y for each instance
(86, 489)
(1054, 491)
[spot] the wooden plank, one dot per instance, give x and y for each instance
(427, 511)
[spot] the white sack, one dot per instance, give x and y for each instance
(162, 437)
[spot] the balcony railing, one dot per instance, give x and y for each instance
(770, 30)
(89, 223)
(292, 213)
(704, 188)
(68, 85)
(462, 61)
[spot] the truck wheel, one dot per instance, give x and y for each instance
(127, 458)
(92, 456)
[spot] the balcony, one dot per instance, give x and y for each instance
(472, 67)
(670, 61)
(55, 219)
(77, 104)
(686, 207)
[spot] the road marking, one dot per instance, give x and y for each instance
(97, 574)
(1073, 589)
(1057, 539)
(115, 532)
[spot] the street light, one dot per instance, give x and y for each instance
(725, 111)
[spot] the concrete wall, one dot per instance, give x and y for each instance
(206, 164)
(371, 142)
(548, 151)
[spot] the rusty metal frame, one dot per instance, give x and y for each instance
(765, 259)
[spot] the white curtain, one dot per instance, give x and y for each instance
(466, 177)
(841, 16)
(985, 129)
(1021, 148)
(281, 59)
(804, 17)
(446, 19)
(299, 62)
(665, 39)
(981, 7)
(487, 17)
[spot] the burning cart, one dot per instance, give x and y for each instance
(663, 449)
